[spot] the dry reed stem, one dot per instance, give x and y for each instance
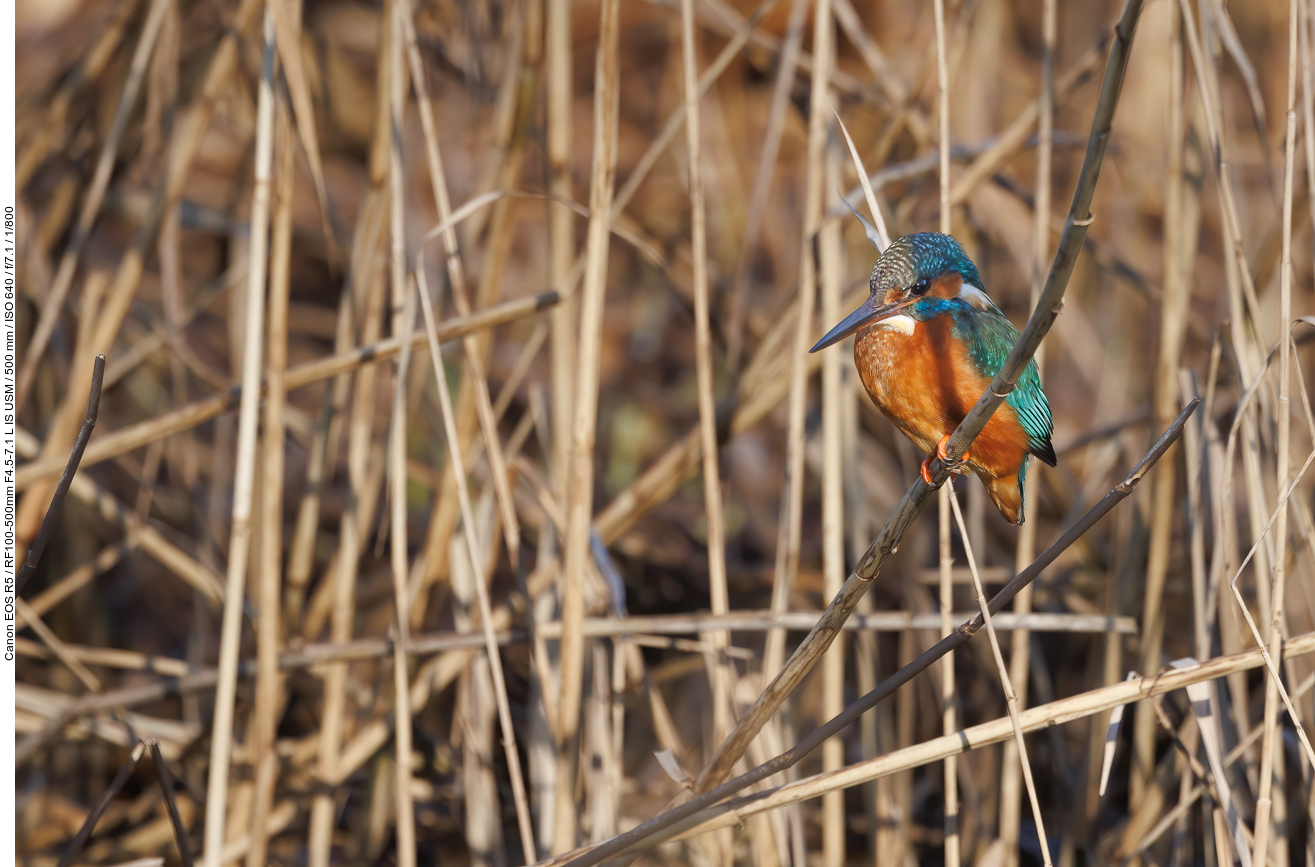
(762, 181)
(1025, 549)
(80, 577)
(1011, 699)
(244, 473)
(269, 686)
(716, 542)
(287, 35)
(1283, 418)
(579, 499)
(951, 770)
(57, 647)
(150, 540)
(1173, 326)
(403, 321)
(457, 279)
(672, 125)
(337, 589)
(477, 570)
(1012, 137)
(327, 433)
(790, 525)
(565, 320)
(833, 509)
(95, 195)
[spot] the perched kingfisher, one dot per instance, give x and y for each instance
(929, 343)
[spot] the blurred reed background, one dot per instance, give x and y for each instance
(212, 193)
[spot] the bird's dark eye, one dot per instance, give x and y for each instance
(921, 287)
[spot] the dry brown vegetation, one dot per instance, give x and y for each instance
(262, 580)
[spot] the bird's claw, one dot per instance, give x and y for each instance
(955, 466)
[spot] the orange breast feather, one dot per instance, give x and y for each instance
(925, 383)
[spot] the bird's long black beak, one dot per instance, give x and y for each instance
(870, 311)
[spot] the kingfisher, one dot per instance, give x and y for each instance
(930, 340)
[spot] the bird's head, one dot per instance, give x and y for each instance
(915, 277)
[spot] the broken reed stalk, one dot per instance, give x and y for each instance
(951, 770)
(658, 829)
(1283, 412)
(403, 321)
(230, 638)
(89, 824)
(580, 477)
(51, 519)
(1002, 385)
(165, 779)
(1011, 698)
(100, 181)
(721, 672)
(476, 568)
(1020, 647)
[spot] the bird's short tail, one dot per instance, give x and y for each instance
(1007, 494)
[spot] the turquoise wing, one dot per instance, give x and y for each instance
(991, 336)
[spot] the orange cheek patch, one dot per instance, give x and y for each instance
(946, 286)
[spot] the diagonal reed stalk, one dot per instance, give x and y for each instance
(1035, 719)
(49, 522)
(658, 829)
(477, 569)
(892, 533)
(1011, 698)
(460, 296)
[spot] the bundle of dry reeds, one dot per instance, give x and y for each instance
(462, 489)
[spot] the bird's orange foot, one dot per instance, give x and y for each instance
(945, 459)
